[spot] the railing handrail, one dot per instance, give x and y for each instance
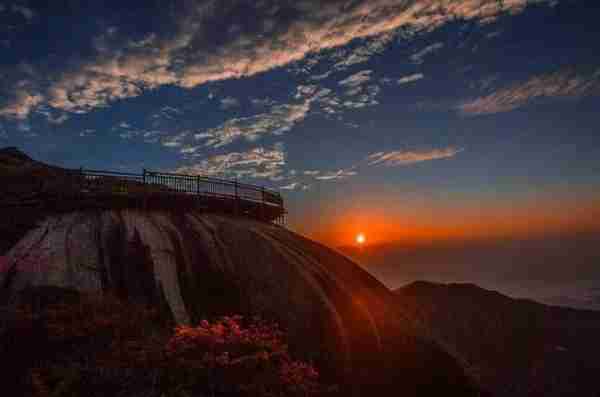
(107, 173)
(215, 180)
(267, 195)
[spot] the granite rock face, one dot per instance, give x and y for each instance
(198, 265)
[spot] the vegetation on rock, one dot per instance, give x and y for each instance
(60, 343)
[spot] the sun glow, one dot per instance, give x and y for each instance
(360, 238)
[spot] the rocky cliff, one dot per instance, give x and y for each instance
(198, 265)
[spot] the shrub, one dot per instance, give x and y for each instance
(245, 357)
(99, 345)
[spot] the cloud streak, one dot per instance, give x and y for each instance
(257, 163)
(420, 56)
(561, 84)
(335, 175)
(410, 78)
(186, 54)
(280, 119)
(229, 102)
(22, 105)
(408, 157)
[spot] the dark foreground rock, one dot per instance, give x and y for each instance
(199, 265)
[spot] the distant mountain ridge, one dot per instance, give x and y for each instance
(554, 258)
(514, 347)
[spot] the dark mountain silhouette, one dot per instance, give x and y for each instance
(514, 347)
(193, 266)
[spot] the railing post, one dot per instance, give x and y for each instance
(262, 203)
(81, 181)
(144, 176)
(236, 201)
(198, 184)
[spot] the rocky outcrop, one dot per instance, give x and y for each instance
(199, 265)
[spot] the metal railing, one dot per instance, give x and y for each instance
(60, 189)
(162, 182)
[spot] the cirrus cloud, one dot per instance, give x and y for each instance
(280, 119)
(410, 78)
(257, 163)
(407, 157)
(560, 84)
(186, 54)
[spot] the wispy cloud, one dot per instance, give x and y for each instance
(168, 112)
(312, 172)
(561, 84)
(364, 52)
(357, 94)
(262, 102)
(322, 76)
(280, 119)
(174, 140)
(52, 117)
(185, 53)
(295, 186)
(229, 102)
(298, 180)
(87, 132)
(291, 186)
(27, 13)
(410, 78)
(258, 163)
(356, 79)
(335, 175)
(407, 157)
(22, 104)
(306, 91)
(420, 56)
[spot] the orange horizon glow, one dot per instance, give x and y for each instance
(530, 219)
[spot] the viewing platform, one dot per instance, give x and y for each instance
(62, 189)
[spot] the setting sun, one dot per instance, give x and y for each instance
(360, 238)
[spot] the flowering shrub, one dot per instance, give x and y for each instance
(102, 343)
(247, 358)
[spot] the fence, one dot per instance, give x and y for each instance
(251, 197)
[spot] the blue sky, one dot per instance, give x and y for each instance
(413, 105)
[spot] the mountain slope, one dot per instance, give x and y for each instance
(198, 265)
(514, 347)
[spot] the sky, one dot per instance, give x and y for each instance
(403, 119)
